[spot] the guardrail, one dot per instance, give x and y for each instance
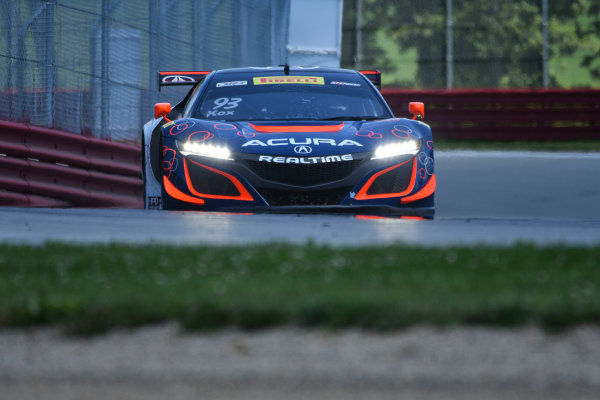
(505, 115)
(41, 167)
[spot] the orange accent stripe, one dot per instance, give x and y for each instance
(361, 216)
(244, 194)
(426, 191)
(411, 217)
(176, 194)
(362, 194)
(304, 128)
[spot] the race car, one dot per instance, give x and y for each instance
(286, 139)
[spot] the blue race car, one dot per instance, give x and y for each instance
(286, 139)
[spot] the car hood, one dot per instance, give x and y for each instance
(296, 137)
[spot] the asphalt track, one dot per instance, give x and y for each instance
(489, 197)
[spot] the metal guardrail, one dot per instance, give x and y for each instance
(504, 115)
(45, 167)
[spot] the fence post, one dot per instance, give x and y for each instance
(49, 95)
(358, 29)
(545, 43)
(21, 55)
(449, 45)
(11, 21)
(105, 67)
(195, 33)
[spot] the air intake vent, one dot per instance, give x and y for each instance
(304, 198)
(303, 174)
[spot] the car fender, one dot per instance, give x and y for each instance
(152, 185)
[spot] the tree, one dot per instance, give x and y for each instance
(497, 43)
(575, 43)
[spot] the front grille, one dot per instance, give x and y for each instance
(303, 174)
(304, 198)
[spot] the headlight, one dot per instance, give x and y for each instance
(397, 149)
(204, 149)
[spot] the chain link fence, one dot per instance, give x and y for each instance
(439, 44)
(90, 66)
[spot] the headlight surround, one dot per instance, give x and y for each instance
(404, 147)
(204, 149)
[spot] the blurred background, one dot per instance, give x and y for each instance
(89, 66)
(476, 43)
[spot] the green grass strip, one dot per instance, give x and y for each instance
(91, 289)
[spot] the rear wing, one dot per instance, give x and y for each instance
(177, 78)
(374, 76)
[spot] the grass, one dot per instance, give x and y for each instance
(92, 289)
(578, 146)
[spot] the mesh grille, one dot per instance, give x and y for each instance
(302, 198)
(395, 181)
(303, 174)
(208, 182)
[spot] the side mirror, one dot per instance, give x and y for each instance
(416, 109)
(162, 110)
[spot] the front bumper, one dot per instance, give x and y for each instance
(403, 183)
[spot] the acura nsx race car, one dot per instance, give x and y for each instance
(282, 139)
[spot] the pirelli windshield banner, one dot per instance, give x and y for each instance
(278, 80)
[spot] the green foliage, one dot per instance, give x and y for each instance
(575, 38)
(90, 289)
(496, 43)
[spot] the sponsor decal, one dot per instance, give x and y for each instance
(225, 127)
(344, 83)
(223, 103)
(277, 80)
(213, 113)
(427, 163)
(306, 160)
(303, 142)
(232, 83)
(168, 124)
(154, 202)
(369, 134)
(402, 131)
(302, 149)
(178, 79)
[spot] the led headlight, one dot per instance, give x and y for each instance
(397, 149)
(204, 149)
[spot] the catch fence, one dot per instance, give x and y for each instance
(89, 66)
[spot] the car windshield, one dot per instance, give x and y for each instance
(307, 96)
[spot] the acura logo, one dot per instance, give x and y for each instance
(178, 79)
(303, 149)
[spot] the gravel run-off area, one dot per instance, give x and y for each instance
(162, 362)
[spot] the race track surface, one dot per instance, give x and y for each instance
(482, 197)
